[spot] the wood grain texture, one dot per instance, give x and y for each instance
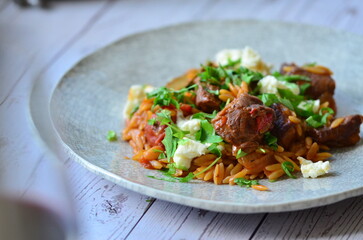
(101, 203)
(181, 222)
(105, 210)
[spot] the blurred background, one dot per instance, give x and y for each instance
(44, 195)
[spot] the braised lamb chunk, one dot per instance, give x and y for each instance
(283, 129)
(346, 134)
(205, 99)
(328, 97)
(243, 122)
(322, 84)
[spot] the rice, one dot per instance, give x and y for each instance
(336, 122)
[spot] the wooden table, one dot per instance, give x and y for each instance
(45, 43)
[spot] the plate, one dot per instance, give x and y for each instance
(89, 99)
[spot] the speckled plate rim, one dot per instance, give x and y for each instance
(48, 137)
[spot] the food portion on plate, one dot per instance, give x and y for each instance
(232, 121)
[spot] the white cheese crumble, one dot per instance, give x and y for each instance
(188, 124)
(310, 105)
(270, 84)
(249, 59)
(313, 169)
(185, 152)
(137, 93)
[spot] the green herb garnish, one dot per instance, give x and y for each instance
(203, 115)
(262, 150)
(319, 120)
(290, 78)
(240, 153)
(269, 98)
(169, 142)
(134, 110)
(207, 134)
(165, 97)
(304, 87)
(288, 168)
(312, 64)
(270, 140)
(242, 182)
(215, 92)
(111, 136)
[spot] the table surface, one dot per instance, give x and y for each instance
(36, 43)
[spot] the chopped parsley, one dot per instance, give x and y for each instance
(242, 182)
(229, 74)
(270, 140)
(319, 120)
(240, 153)
(312, 64)
(165, 97)
(111, 136)
(203, 115)
(134, 110)
(213, 148)
(170, 143)
(207, 134)
(269, 98)
(290, 78)
(215, 92)
(288, 168)
(262, 150)
(304, 87)
(213, 75)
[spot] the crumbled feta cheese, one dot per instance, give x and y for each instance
(249, 59)
(226, 55)
(313, 169)
(310, 105)
(270, 84)
(188, 124)
(137, 93)
(188, 150)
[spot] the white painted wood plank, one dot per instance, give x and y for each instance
(166, 220)
(16, 137)
(342, 220)
(128, 17)
(103, 208)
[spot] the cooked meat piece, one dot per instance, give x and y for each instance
(328, 97)
(206, 101)
(320, 82)
(346, 134)
(283, 129)
(244, 121)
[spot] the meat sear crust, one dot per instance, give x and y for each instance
(346, 134)
(243, 122)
